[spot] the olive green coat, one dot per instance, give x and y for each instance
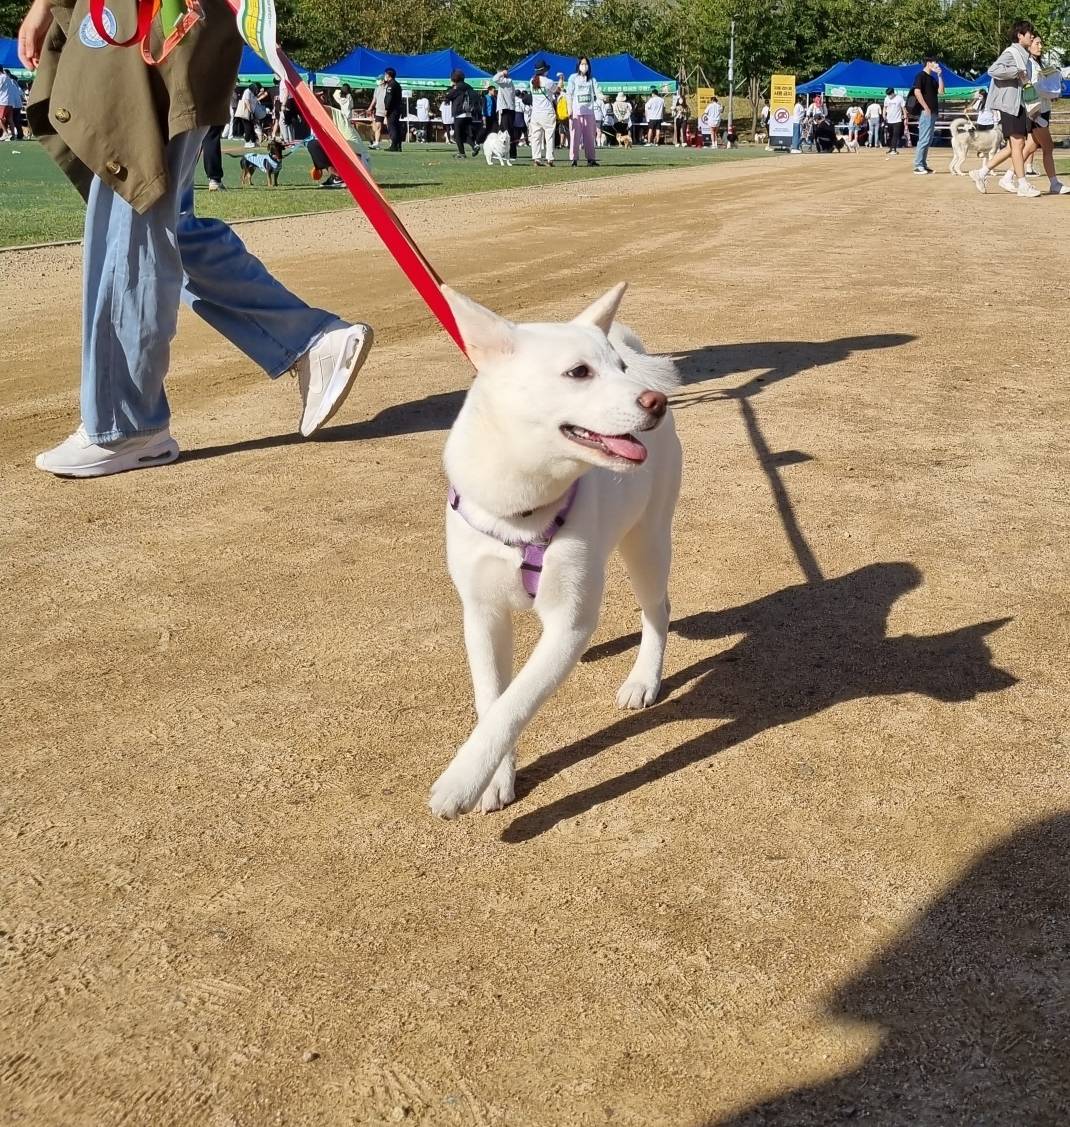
(102, 110)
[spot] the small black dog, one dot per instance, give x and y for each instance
(270, 163)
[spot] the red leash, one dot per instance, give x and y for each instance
(357, 178)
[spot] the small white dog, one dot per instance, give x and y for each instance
(496, 148)
(967, 138)
(564, 450)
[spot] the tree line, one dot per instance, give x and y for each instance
(801, 37)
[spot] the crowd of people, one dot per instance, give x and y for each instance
(1018, 103)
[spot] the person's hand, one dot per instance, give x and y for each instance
(32, 32)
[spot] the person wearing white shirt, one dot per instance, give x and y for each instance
(713, 119)
(797, 115)
(655, 114)
(543, 120)
(11, 102)
(894, 111)
(583, 95)
(873, 116)
(622, 114)
(423, 117)
(343, 99)
(446, 110)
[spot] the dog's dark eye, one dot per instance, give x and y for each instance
(580, 372)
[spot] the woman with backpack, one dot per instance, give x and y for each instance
(463, 101)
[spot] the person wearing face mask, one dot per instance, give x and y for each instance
(582, 93)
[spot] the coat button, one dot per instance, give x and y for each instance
(114, 167)
(63, 115)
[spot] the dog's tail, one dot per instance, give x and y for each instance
(658, 373)
(961, 125)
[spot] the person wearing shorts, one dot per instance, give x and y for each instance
(655, 115)
(1010, 74)
(1048, 87)
(378, 111)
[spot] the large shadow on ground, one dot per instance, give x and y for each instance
(798, 652)
(434, 412)
(974, 1003)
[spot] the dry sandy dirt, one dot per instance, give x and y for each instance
(824, 880)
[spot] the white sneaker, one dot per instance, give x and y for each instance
(77, 456)
(980, 180)
(1008, 182)
(1058, 188)
(216, 186)
(250, 144)
(1027, 189)
(326, 372)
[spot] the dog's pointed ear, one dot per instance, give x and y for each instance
(602, 311)
(486, 336)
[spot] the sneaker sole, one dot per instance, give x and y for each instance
(144, 460)
(340, 384)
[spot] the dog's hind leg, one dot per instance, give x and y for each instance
(647, 552)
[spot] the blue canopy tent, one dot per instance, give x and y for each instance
(362, 67)
(613, 72)
(9, 58)
(861, 78)
(626, 72)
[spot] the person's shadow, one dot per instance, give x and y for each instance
(974, 1002)
(433, 412)
(801, 650)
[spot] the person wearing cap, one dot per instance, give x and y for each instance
(543, 115)
(128, 135)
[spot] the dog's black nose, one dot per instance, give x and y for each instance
(654, 402)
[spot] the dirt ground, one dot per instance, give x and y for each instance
(824, 880)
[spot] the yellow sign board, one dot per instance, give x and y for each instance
(703, 94)
(781, 105)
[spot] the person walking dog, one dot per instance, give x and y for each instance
(132, 155)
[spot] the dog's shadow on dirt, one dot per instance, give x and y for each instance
(971, 1003)
(797, 652)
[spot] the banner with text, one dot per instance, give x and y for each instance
(781, 105)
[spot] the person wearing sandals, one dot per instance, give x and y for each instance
(582, 92)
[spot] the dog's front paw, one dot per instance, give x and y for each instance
(637, 694)
(502, 788)
(453, 793)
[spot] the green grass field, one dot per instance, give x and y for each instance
(38, 205)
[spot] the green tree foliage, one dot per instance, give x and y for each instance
(795, 36)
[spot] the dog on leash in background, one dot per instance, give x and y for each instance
(270, 163)
(966, 138)
(563, 451)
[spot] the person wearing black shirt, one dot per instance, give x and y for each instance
(393, 105)
(927, 88)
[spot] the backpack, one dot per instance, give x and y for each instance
(912, 103)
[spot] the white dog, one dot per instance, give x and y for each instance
(564, 450)
(496, 148)
(967, 138)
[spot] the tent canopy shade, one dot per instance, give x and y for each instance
(9, 58)
(362, 67)
(613, 72)
(861, 78)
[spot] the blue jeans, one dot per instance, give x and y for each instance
(796, 135)
(137, 270)
(874, 132)
(926, 125)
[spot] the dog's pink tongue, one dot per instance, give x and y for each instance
(624, 446)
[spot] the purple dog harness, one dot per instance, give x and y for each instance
(533, 552)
